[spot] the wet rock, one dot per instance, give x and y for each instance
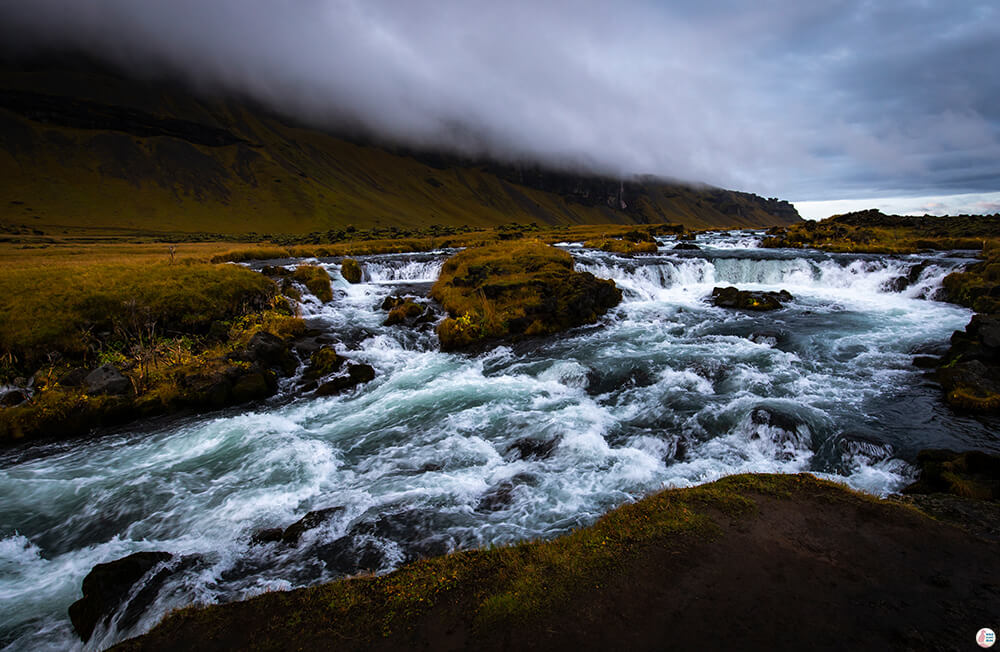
(731, 297)
(13, 398)
(356, 375)
(686, 246)
(349, 555)
(270, 351)
(313, 342)
(926, 361)
(310, 521)
(391, 302)
(897, 284)
(350, 270)
(405, 313)
(971, 385)
(106, 586)
(323, 362)
(601, 383)
(529, 448)
(496, 498)
(265, 536)
(418, 532)
(275, 271)
(972, 474)
(74, 377)
(107, 380)
(253, 386)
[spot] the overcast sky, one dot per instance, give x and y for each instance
(808, 101)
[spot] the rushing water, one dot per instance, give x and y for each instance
(444, 451)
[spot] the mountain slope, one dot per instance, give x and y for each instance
(85, 147)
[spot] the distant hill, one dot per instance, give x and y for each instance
(84, 147)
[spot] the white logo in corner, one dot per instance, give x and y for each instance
(986, 637)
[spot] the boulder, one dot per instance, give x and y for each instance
(350, 270)
(731, 297)
(107, 379)
(106, 586)
(267, 535)
(972, 474)
(686, 246)
(529, 448)
(323, 362)
(13, 398)
(74, 377)
(310, 521)
(253, 386)
(496, 498)
(408, 313)
(356, 374)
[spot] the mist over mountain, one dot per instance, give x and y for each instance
(784, 98)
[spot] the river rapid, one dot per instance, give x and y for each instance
(445, 451)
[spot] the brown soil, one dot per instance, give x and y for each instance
(822, 569)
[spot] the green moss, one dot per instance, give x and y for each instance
(350, 270)
(518, 289)
(316, 281)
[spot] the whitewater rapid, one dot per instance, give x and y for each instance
(444, 451)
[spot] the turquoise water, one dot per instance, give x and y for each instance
(665, 391)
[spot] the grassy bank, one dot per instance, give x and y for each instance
(171, 324)
(877, 233)
(792, 559)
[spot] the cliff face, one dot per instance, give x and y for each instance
(86, 148)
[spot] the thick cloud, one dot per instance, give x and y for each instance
(851, 98)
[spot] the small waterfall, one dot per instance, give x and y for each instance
(646, 282)
(402, 270)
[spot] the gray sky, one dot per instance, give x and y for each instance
(835, 100)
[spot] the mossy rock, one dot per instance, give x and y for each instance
(971, 474)
(350, 270)
(323, 362)
(510, 291)
(405, 312)
(316, 280)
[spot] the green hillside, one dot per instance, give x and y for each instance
(87, 148)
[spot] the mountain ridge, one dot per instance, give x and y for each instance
(83, 147)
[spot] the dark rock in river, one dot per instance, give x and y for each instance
(601, 383)
(13, 397)
(107, 380)
(731, 297)
(496, 498)
(356, 375)
(972, 474)
(267, 535)
(686, 246)
(270, 351)
(351, 554)
(897, 284)
(405, 313)
(926, 361)
(350, 270)
(529, 448)
(310, 521)
(106, 587)
(323, 362)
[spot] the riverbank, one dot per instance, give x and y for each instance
(766, 561)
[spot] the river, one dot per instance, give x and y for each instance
(445, 451)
